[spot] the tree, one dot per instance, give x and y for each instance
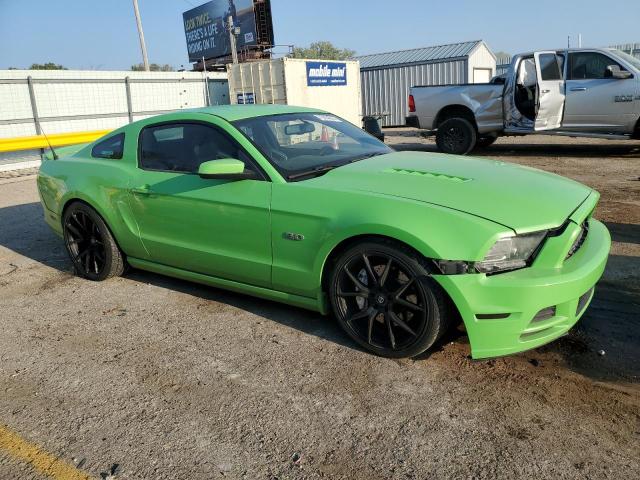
(323, 50)
(154, 67)
(501, 56)
(46, 66)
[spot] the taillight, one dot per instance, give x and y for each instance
(412, 104)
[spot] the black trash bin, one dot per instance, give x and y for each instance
(372, 126)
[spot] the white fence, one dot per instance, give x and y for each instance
(33, 102)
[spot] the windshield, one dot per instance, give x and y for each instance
(628, 58)
(301, 145)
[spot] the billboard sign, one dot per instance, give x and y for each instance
(323, 74)
(206, 32)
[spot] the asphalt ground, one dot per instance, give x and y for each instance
(145, 376)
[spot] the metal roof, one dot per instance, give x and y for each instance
(418, 55)
(239, 112)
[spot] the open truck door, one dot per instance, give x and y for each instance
(551, 96)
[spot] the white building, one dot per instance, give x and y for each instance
(387, 77)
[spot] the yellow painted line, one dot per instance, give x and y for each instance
(56, 139)
(21, 449)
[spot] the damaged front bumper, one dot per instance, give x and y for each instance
(523, 309)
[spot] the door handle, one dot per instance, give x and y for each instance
(143, 190)
(578, 89)
(546, 91)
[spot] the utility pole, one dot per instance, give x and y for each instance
(579, 40)
(207, 97)
(143, 46)
(232, 39)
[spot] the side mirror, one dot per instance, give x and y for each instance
(225, 169)
(614, 71)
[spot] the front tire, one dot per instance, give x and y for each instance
(457, 136)
(91, 247)
(383, 299)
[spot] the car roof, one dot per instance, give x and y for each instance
(562, 50)
(239, 112)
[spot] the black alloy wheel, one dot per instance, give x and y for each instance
(383, 299)
(456, 136)
(91, 247)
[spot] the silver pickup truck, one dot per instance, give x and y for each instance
(576, 92)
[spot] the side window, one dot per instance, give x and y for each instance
(182, 147)
(560, 57)
(112, 147)
(589, 65)
(549, 67)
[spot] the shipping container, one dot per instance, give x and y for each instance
(328, 85)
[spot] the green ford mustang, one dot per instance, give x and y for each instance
(299, 206)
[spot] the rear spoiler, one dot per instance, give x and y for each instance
(64, 151)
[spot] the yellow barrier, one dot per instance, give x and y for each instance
(56, 140)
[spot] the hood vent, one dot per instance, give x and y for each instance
(440, 176)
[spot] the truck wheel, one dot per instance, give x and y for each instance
(457, 136)
(485, 141)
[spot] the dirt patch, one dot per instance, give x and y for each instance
(168, 379)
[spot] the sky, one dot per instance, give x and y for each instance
(101, 35)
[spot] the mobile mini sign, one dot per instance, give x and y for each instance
(246, 98)
(325, 74)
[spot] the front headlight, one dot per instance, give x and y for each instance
(510, 253)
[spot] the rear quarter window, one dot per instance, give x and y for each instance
(111, 148)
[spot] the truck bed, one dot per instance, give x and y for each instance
(483, 99)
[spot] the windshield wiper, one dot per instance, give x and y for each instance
(325, 168)
(365, 156)
(314, 171)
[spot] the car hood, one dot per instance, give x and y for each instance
(521, 198)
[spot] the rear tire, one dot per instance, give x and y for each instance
(91, 247)
(457, 136)
(636, 131)
(486, 141)
(382, 297)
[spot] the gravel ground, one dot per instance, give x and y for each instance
(150, 377)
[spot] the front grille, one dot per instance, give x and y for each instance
(582, 302)
(579, 241)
